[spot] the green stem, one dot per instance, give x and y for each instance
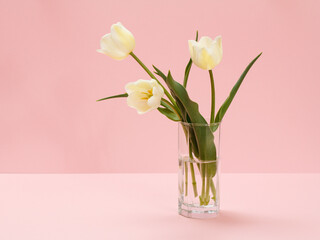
(186, 177)
(213, 190)
(203, 189)
(212, 97)
(194, 183)
(208, 186)
(154, 77)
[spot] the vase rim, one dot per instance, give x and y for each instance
(200, 124)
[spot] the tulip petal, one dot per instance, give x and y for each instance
(154, 102)
(108, 47)
(202, 58)
(207, 59)
(144, 85)
(217, 50)
(130, 87)
(206, 42)
(157, 90)
(134, 100)
(191, 44)
(140, 85)
(122, 37)
(218, 40)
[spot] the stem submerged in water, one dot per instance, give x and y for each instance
(194, 183)
(186, 178)
(202, 197)
(213, 190)
(207, 199)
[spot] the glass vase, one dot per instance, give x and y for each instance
(198, 169)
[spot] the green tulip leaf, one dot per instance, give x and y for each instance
(184, 115)
(159, 73)
(188, 67)
(169, 114)
(186, 73)
(164, 77)
(169, 111)
(223, 109)
(115, 96)
(203, 135)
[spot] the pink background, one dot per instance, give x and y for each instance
(51, 76)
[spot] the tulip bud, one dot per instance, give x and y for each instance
(206, 53)
(118, 44)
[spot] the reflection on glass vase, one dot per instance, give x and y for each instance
(199, 169)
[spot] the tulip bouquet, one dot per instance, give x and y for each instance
(175, 103)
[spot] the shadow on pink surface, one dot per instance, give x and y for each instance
(230, 218)
(241, 222)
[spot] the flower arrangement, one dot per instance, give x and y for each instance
(175, 103)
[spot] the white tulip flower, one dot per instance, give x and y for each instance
(144, 95)
(118, 44)
(206, 53)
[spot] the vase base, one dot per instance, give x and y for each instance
(194, 211)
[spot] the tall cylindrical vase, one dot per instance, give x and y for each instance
(199, 169)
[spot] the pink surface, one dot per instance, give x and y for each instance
(144, 206)
(51, 76)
